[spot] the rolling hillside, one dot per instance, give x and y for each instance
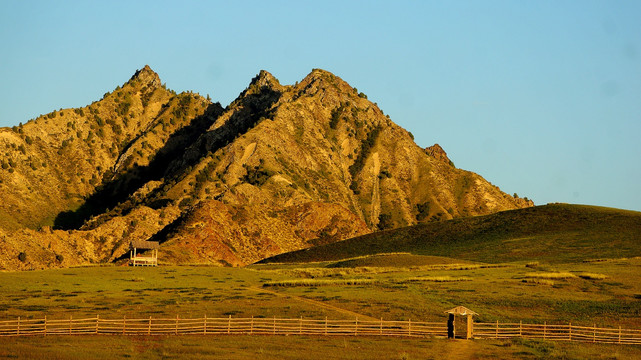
(552, 233)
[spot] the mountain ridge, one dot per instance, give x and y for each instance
(291, 166)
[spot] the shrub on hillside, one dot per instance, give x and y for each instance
(423, 210)
(336, 115)
(385, 221)
(384, 174)
(256, 175)
(366, 147)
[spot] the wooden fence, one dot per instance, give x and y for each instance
(219, 326)
(300, 326)
(567, 332)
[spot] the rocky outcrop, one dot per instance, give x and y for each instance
(437, 152)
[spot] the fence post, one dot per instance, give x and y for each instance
(619, 334)
(176, 330)
(149, 327)
(70, 326)
(470, 327)
(497, 329)
(544, 326)
(97, 321)
(205, 325)
(570, 330)
(300, 325)
(521, 328)
(251, 326)
(381, 329)
(229, 325)
(594, 334)
(124, 322)
(356, 327)
(409, 327)
(45, 325)
(325, 325)
(18, 325)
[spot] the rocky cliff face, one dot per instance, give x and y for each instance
(281, 168)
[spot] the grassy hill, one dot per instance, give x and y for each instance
(552, 233)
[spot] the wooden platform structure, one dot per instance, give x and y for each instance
(136, 259)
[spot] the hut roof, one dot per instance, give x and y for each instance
(144, 244)
(461, 310)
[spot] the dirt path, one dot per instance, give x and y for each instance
(459, 349)
(315, 303)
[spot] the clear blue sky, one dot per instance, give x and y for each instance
(542, 98)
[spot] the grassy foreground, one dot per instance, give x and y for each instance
(293, 347)
(418, 288)
(510, 273)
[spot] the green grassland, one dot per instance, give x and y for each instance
(505, 292)
(554, 233)
(602, 288)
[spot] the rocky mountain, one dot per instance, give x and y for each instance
(283, 167)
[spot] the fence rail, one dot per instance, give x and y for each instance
(229, 325)
(567, 332)
(300, 326)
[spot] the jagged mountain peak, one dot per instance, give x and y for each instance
(261, 83)
(264, 80)
(324, 83)
(147, 76)
(320, 75)
(437, 152)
